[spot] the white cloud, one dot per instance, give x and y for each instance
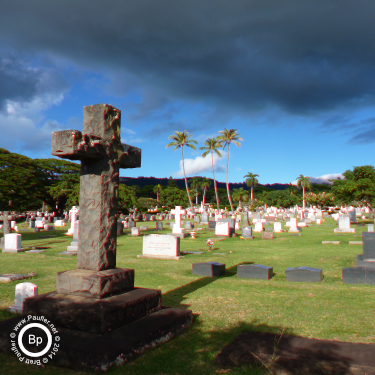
(324, 179)
(200, 164)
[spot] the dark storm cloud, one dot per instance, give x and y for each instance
(301, 56)
(17, 82)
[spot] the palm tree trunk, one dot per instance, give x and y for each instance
(157, 196)
(196, 197)
(186, 183)
(213, 172)
(204, 196)
(252, 194)
(303, 197)
(228, 191)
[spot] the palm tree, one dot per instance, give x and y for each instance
(157, 189)
(227, 137)
(239, 195)
(180, 139)
(303, 181)
(251, 181)
(211, 145)
(195, 184)
(205, 184)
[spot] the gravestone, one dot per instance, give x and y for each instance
(73, 218)
(293, 225)
(247, 233)
(177, 230)
(210, 269)
(222, 229)
(277, 227)
(188, 225)
(370, 227)
(132, 224)
(258, 227)
(304, 274)
(267, 235)
(12, 243)
(135, 231)
(358, 275)
(205, 218)
(23, 291)
(254, 271)
(74, 244)
(159, 225)
(197, 219)
(352, 216)
(96, 285)
(344, 225)
(161, 246)
(211, 225)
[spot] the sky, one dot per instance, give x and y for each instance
(296, 79)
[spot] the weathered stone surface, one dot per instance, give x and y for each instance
(354, 275)
(254, 271)
(7, 278)
(91, 315)
(101, 153)
(210, 269)
(94, 283)
(362, 263)
(304, 274)
(368, 239)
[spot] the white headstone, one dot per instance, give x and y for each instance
(277, 227)
(135, 231)
(12, 243)
(23, 290)
(178, 211)
(258, 227)
(161, 246)
(222, 229)
(293, 225)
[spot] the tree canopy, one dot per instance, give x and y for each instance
(358, 187)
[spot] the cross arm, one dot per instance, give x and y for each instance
(72, 144)
(129, 156)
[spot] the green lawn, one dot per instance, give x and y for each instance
(223, 307)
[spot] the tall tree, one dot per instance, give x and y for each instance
(240, 195)
(21, 187)
(252, 181)
(211, 145)
(157, 189)
(180, 139)
(205, 184)
(60, 179)
(195, 183)
(225, 139)
(305, 183)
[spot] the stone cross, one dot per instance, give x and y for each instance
(178, 211)
(102, 154)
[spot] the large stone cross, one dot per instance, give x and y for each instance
(102, 154)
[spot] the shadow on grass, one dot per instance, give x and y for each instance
(176, 296)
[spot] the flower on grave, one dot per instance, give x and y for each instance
(209, 244)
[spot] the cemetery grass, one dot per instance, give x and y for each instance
(222, 307)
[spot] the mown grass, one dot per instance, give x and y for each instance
(223, 307)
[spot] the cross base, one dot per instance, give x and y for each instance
(96, 284)
(98, 316)
(80, 350)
